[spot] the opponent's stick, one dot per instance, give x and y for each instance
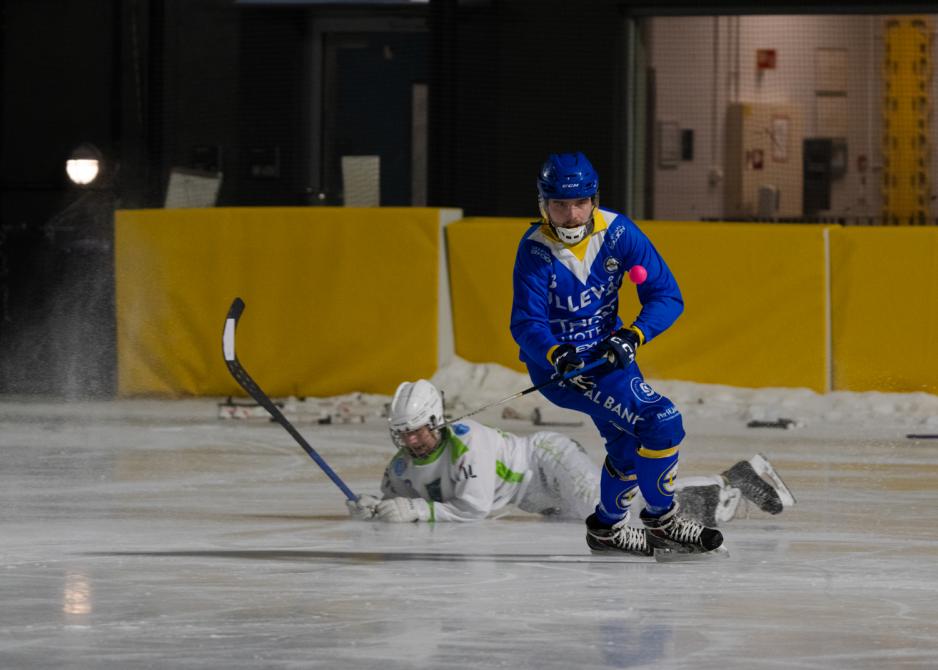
(248, 384)
(537, 387)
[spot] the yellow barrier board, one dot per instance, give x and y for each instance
(885, 309)
(342, 300)
(755, 307)
(755, 300)
(338, 299)
(481, 254)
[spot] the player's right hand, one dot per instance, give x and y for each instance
(565, 360)
(619, 348)
(364, 508)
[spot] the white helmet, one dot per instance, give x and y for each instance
(415, 404)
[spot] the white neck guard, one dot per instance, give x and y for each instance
(570, 235)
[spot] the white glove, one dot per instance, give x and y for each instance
(363, 508)
(402, 510)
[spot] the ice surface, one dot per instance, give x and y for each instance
(141, 533)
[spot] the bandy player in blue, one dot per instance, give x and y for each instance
(568, 271)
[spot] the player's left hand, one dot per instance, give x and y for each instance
(403, 510)
(619, 348)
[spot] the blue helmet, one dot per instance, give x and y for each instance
(567, 176)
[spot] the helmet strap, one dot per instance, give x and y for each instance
(572, 236)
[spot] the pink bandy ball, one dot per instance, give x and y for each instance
(638, 274)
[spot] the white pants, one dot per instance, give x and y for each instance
(564, 481)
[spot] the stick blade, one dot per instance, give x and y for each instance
(228, 335)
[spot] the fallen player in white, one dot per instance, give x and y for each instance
(468, 471)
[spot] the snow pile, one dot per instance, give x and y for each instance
(468, 386)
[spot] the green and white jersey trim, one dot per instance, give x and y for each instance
(483, 472)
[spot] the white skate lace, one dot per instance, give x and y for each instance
(632, 539)
(685, 531)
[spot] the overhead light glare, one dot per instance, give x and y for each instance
(84, 165)
(82, 171)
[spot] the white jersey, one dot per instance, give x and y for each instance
(476, 471)
(480, 470)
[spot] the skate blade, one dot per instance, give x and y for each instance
(604, 557)
(763, 468)
(674, 556)
(614, 555)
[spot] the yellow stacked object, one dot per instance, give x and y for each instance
(907, 80)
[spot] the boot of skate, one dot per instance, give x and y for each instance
(673, 531)
(755, 488)
(619, 537)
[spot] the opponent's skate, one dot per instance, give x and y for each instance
(765, 470)
(619, 537)
(710, 504)
(745, 475)
(673, 532)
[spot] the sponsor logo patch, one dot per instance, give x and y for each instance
(613, 237)
(541, 253)
(643, 391)
(612, 265)
(460, 429)
(669, 413)
(399, 466)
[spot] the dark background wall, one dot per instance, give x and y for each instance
(58, 88)
(213, 84)
(527, 78)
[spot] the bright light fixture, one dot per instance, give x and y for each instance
(82, 171)
(84, 165)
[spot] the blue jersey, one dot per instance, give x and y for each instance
(571, 293)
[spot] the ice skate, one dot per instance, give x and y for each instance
(673, 532)
(619, 537)
(765, 470)
(745, 476)
(700, 503)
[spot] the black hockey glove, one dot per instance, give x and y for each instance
(565, 360)
(619, 348)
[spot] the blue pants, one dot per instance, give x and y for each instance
(642, 430)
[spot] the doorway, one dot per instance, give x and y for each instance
(373, 103)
